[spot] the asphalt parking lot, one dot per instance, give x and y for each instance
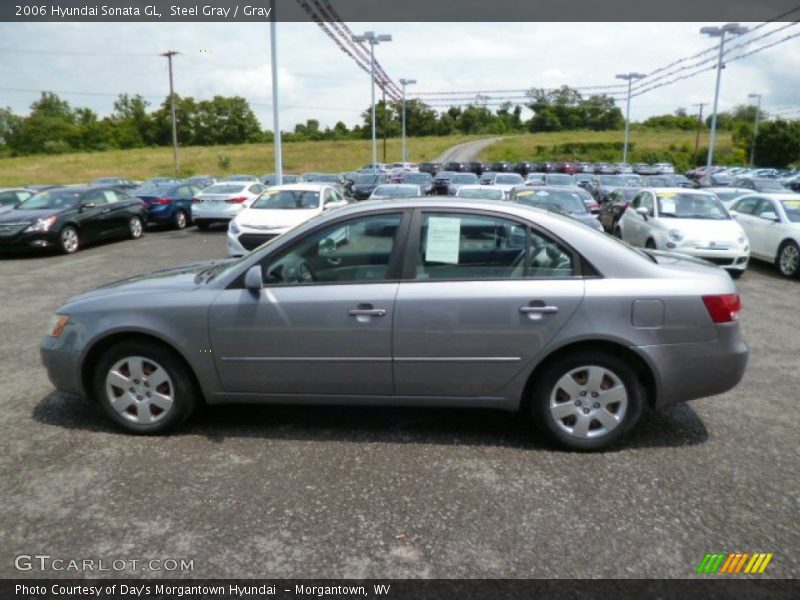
(357, 492)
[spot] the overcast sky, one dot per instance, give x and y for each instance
(88, 64)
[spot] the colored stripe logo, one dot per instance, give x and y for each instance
(735, 563)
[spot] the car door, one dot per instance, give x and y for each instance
(482, 296)
(745, 209)
(322, 326)
(115, 214)
(631, 220)
(90, 216)
(183, 198)
(767, 228)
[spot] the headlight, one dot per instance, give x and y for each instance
(675, 235)
(233, 228)
(57, 325)
(742, 239)
(41, 225)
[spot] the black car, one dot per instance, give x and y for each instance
(612, 209)
(477, 167)
(502, 167)
(423, 180)
(603, 185)
(365, 184)
(441, 183)
(546, 167)
(67, 218)
(456, 167)
(524, 167)
(430, 167)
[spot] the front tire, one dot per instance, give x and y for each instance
(69, 240)
(788, 261)
(586, 401)
(144, 388)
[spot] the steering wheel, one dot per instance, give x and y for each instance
(304, 273)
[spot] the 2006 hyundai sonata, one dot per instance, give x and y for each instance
(412, 302)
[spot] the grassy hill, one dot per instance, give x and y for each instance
(255, 159)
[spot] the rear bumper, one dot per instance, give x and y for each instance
(686, 372)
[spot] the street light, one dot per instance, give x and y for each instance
(755, 129)
(373, 39)
(732, 29)
(404, 83)
(630, 78)
(276, 122)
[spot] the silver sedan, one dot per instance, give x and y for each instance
(460, 303)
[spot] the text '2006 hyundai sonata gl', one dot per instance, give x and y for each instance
(415, 302)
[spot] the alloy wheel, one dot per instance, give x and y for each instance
(140, 390)
(588, 402)
(789, 260)
(180, 220)
(69, 240)
(136, 227)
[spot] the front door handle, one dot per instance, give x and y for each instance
(537, 309)
(367, 312)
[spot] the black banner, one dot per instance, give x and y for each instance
(399, 11)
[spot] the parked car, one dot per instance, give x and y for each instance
(728, 195)
(169, 204)
(271, 179)
(422, 179)
(159, 181)
(504, 181)
(120, 183)
(759, 184)
(659, 181)
(410, 303)
(67, 218)
(223, 201)
(459, 179)
(557, 199)
(772, 223)
(365, 184)
(242, 179)
(396, 190)
(691, 222)
(535, 179)
(611, 210)
(715, 179)
(546, 167)
(604, 184)
(642, 169)
(664, 168)
(441, 182)
(604, 169)
(524, 167)
(502, 166)
(623, 168)
(567, 167)
(486, 192)
(585, 167)
(430, 167)
(201, 181)
(456, 167)
(10, 197)
(278, 210)
(559, 179)
(477, 167)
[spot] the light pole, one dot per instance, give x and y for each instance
(404, 83)
(276, 124)
(733, 29)
(373, 39)
(755, 128)
(630, 78)
(169, 54)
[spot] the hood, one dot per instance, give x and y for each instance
(257, 218)
(16, 215)
(705, 230)
(173, 279)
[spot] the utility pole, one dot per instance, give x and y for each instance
(385, 112)
(404, 83)
(629, 77)
(373, 40)
(755, 128)
(169, 54)
(699, 126)
(276, 123)
(733, 29)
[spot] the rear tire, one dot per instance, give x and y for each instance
(180, 220)
(69, 240)
(735, 274)
(144, 388)
(135, 228)
(788, 259)
(586, 401)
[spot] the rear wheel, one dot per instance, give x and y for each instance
(789, 259)
(180, 221)
(69, 240)
(145, 388)
(586, 401)
(135, 228)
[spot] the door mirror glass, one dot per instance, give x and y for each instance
(769, 216)
(254, 279)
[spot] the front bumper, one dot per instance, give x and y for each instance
(63, 365)
(689, 371)
(21, 242)
(734, 259)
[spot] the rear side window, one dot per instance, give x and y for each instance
(746, 206)
(457, 246)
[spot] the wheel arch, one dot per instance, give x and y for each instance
(643, 370)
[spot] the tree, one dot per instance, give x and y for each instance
(130, 125)
(778, 143)
(50, 124)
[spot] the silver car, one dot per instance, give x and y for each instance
(460, 303)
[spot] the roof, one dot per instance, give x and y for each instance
(302, 187)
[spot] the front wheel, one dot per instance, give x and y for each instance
(69, 240)
(587, 401)
(789, 260)
(145, 388)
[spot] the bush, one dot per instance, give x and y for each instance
(56, 147)
(224, 161)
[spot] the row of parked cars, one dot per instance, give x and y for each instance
(525, 167)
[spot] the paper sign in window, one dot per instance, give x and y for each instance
(668, 206)
(442, 241)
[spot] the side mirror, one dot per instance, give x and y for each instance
(88, 205)
(770, 216)
(733, 214)
(254, 279)
(644, 212)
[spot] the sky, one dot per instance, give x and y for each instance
(89, 64)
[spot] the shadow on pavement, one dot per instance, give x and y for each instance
(673, 427)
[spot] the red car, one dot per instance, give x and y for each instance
(567, 167)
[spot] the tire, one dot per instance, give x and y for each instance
(735, 274)
(180, 220)
(135, 228)
(788, 259)
(202, 225)
(578, 429)
(135, 411)
(650, 244)
(69, 240)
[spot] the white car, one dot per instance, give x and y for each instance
(663, 168)
(772, 222)
(728, 195)
(278, 210)
(396, 190)
(503, 181)
(487, 192)
(692, 222)
(221, 202)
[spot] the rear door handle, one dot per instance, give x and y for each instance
(367, 312)
(537, 310)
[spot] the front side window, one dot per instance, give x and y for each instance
(287, 200)
(457, 246)
(766, 209)
(354, 251)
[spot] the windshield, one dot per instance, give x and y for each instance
(241, 178)
(612, 180)
(659, 181)
(691, 206)
(487, 193)
(792, 209)
(417, 178)
(509, 179)
(396, 191)
(564, 202)
(150, 190)
(224, 188)
(769, 186)
(728, 196)
(105, 181)
(559, 180)
(464, 178)
(367, 178)
(535, 177)
(51, 199)
(287, 200)
(328, 178)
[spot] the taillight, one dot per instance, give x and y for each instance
(237, 200)
(723, 308)
(196, 201)
(160, 201)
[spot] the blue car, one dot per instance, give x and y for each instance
(168, 204)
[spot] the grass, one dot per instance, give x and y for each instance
(669, 144)
(255, 159)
